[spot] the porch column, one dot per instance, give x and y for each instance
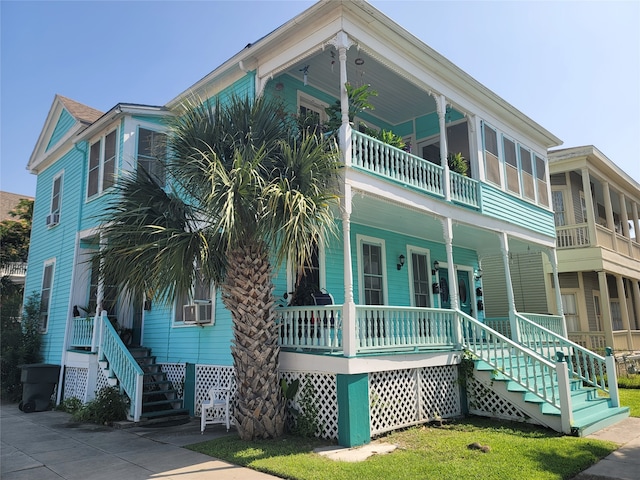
(504, 247)
(342, 43)
(441, 107)
(636, 302)
(353, 409)
(553, 259)
(452, 275)
(605, 308)
(588, 200)
(636, 222)
(624, 311)
(624, 218)
(608, 208)
(349, 318)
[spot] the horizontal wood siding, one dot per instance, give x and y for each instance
(65, 122)
(498, 204)
(527, 277)
(591, 285)
(494, 287)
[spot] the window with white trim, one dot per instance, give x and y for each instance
(511, 165)
(528, 184)
(197, 307)
(45, 294)
(312, 110)
(56, 201)
(420, 278)
(372, 273)
(570, 309)
(152, 148)
(559, 208)
(102, 164)
(491, 156)
(541, 180)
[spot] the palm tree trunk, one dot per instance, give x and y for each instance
(248, 294)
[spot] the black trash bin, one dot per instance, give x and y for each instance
(38, 381)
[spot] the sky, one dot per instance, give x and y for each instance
(571, 66)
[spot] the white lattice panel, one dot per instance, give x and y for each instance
(101, 381)
(75, 383)
(176, 374)
(439, 393)
(400, 398)
(485, 402)
(208, 376)
(326, 399)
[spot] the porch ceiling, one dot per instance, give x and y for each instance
(389, 216)
(398, 99)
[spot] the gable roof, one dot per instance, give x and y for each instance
(65, 119)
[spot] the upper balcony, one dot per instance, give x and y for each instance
(16, 271)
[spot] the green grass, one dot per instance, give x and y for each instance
(630, 397)
(517, 452)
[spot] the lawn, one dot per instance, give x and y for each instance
(517, 451)
(630, 397)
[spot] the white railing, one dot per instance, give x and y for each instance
(382, 159)
(584, 364)
(81, 332)
(316, 327)
(404, 328)
(555, 323)
(14, 268)
(121, 364)
(572, 236)
(529, 369)
(464, 189)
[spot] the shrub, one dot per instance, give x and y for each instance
(109, 406)
(70, 405)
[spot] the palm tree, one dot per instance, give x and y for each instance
(247, 188)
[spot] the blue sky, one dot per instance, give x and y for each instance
(572, 66)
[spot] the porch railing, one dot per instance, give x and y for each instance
(555, 323)
(14, 268)
(81, 332)
(382, 159)
(315, 328)
(571, 236)
(584, 364)
(122, 364)
(529, 369)
(404, 328)
(464, 189)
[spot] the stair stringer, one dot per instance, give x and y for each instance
(531, 410)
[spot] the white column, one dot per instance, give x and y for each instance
(636, 222)
(349, 318)
(605, 308)
(624, 311)
(553, 259)
(608, 208)
(624, 216)
(504, 247)
(588, 200)
(441, 106)
(447, 228)
(636, 298)
(342, 43)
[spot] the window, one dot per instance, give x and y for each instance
(616, 315)
(598, 313)
(152, 154)
(491, 159)
(102, 164)
(372, 274)
(109, 292)
(56, 199)
(528, 185)
(559, 208)
(541, 175)
(197, 306)
(511, 162)
(45, 295)
(457, 142)
(570, 312)
(421, 274)
(312, 111)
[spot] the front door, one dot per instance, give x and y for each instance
(464, 290)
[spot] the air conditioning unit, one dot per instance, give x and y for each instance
(199, 312)
(53, 219)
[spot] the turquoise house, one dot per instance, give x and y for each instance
(419, 280)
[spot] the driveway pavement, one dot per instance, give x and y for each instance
(47, 446)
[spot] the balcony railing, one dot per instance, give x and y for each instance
(81, 332)
(572, 236)
(14, 269)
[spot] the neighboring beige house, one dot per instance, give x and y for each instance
(597, 247)
(8, 202)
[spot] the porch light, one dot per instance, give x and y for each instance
(478, 274)
(400, 262)
(436, 267)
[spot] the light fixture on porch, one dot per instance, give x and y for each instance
(436, 267)
(478, 274)
(400, 262)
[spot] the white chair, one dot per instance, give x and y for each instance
(218, 403)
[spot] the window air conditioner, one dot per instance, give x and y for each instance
(53, 219)
(199, 312)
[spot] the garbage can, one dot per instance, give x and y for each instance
(38, 381)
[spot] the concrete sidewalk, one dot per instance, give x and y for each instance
(624, 463)
(47, 446)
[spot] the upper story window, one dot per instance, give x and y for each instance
(511, 165)
(45, 294)
(491, 157)
(311, 110)
(541, 175)
(56, 202)
(102, 164)
(152, 148)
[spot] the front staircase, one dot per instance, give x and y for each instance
(551, 380)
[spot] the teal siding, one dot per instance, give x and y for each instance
(56, 243)
(65, 122)
(498, 204)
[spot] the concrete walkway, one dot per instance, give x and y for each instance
(47, 446)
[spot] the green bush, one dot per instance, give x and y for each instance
(20, 343)
(630, 381)
(109, 406)
(70, 405)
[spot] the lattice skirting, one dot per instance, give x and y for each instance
(208, 376)
(75, 383)
(176, 373)
(485, 402)
(401, 398)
